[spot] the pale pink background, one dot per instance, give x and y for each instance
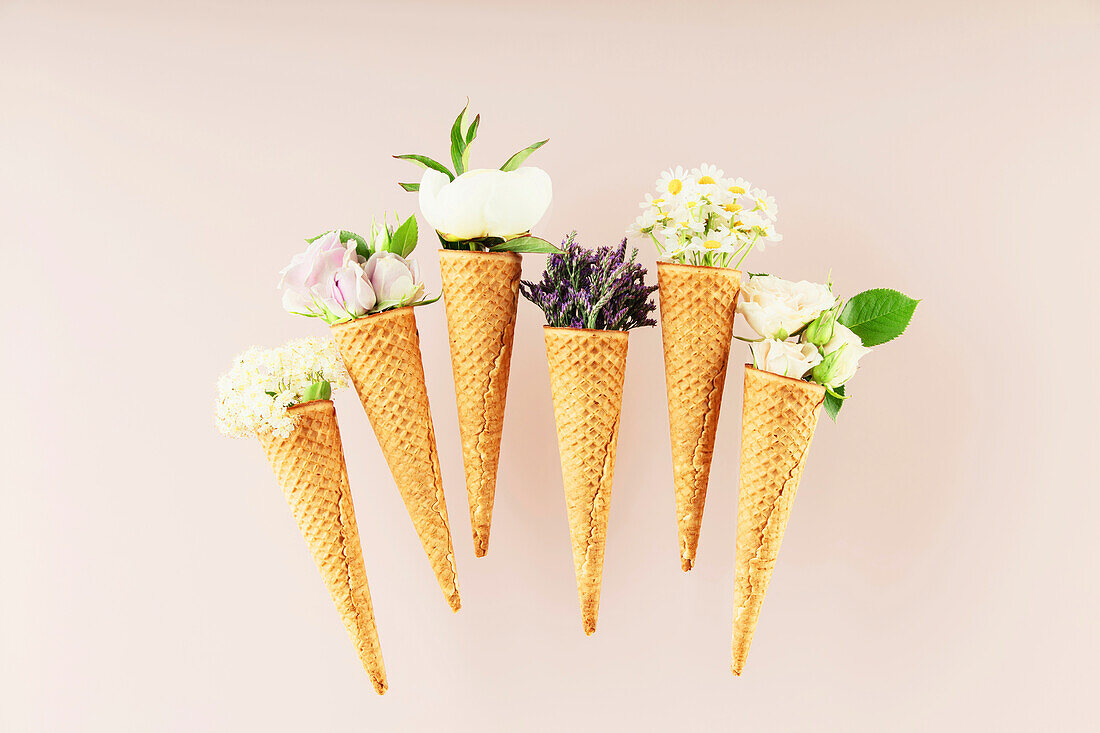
(160, 165)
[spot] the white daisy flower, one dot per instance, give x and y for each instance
(765, 203)
(671, 182)
(660, 203)
(707, 175)
(714, 242)
(644, 223)
(737, 186)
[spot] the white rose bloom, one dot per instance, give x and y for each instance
(774, 306)
(785, 358)
(844, 368)
(485, 203)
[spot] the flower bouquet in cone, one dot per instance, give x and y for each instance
(809, 346)
(365, 289)
(591, 299)
(281, 396)
(483, 218)
(702, 225)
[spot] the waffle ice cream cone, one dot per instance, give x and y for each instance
(587, 369)
(697, 310)
(382, 355)
(480, 290)
(309, 466)
(780, 415)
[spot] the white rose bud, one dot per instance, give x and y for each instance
(842, 367)
(785, 358)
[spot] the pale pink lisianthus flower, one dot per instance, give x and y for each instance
(396, 281)
(327, 280)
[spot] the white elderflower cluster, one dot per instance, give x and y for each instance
(254, 395)
(700, 217)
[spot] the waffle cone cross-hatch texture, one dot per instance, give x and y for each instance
(778, 423)
(309, 466)
(587, 369)
(697, 311)
(480, 290)
(382, 355)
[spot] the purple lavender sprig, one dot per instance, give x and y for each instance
(592, 288)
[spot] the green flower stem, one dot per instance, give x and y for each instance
(748, 248)
(660, 249)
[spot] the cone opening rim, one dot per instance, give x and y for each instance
(358, 322)
(466, 252)
(312, 404)
(661, 264)
(803, 382)
(606, 331)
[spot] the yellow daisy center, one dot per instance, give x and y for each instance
(712, 244)
(736, 189)
(706, 179)
(691, 204)
(732, 208)
(675, 186)
(657, 202)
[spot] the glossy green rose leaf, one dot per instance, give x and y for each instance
(878, 315)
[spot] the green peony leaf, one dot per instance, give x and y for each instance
(472, 132)
(526, 244)
(517, 160)
(458, 140)
(403, 241)
(410, 186)
(470, 135)
(878, 315)
(834, 403)
(425, 162)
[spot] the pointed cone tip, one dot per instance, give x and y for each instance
(686, 564)
(455, 602)
(481, 541)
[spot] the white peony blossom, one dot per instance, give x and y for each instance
(785, 358)
(485, 203)
(776, 308)
(254, 395)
